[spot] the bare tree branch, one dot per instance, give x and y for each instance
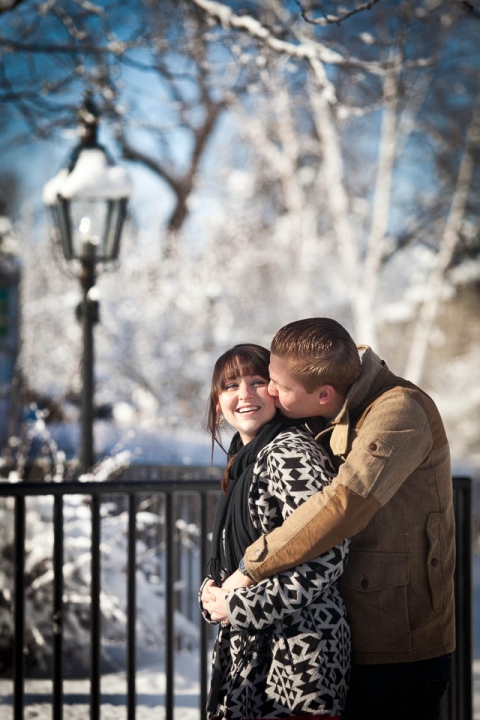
(181, 186)
(117, 48)
(335, 19)
(470, 8)
(6, 5)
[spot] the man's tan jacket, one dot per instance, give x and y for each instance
(393, 495)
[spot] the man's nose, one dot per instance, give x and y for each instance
(272, 390)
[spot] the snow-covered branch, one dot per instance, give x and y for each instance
(229, 19)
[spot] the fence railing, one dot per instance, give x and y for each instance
(457, 704)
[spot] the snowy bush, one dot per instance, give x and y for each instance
(77, 577)
(150, 616)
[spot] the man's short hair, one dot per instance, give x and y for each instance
(321, 352)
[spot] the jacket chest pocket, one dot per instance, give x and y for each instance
(374, 587)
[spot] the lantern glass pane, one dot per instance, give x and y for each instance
(115, 217)
(62, 227)
(88, 224)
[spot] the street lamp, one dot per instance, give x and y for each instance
(88, 204)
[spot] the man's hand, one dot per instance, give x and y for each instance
(237, 580)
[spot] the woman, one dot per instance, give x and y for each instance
(283, 650)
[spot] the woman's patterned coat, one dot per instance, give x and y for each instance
(287, 649)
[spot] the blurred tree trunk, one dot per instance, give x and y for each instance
(426, 317)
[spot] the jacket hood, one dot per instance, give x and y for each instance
(371, 368)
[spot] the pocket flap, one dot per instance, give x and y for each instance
(376, 447)
(372, 571)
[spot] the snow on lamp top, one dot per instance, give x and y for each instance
(91, 177)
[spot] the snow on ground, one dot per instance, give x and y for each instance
(150, 695)
(150, 699)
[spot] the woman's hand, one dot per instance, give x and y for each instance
(205, 597)
(213, 601)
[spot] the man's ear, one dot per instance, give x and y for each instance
(326, 393)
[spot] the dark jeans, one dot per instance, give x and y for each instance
(398, 691)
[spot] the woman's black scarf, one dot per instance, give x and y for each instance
(232, 517)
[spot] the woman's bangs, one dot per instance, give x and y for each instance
(241, 365)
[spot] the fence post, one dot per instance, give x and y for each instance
(58, 558)
(19, 613)
(457, 704)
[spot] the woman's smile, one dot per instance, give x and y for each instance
(250, 408)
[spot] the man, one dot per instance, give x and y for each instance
(393, 495)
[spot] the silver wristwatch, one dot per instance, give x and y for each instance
(243, 569)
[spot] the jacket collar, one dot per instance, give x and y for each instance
(372, 367)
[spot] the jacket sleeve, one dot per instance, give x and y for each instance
(393, 441)
(293, 469)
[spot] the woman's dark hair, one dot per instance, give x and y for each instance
(240, 360)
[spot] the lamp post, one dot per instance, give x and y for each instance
(88, 203)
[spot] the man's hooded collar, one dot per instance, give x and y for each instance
(360, 391)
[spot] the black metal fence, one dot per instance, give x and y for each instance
(457, 705)
(204, 490)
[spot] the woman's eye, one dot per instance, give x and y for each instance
(231, 386)
(259, 382)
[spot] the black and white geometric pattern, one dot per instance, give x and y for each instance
(287, 650)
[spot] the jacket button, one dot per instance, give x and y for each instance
(372, 447)
(364, 583)
(434, 562)
(257, 552)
